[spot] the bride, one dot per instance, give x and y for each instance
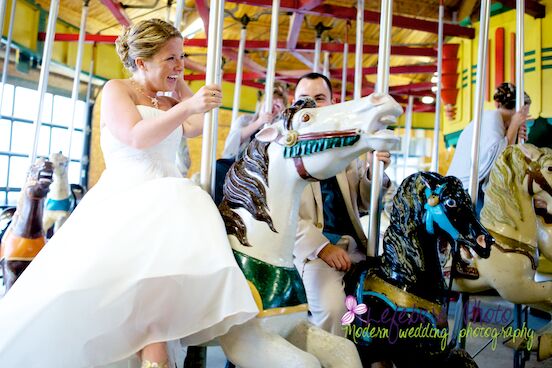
(144, 258)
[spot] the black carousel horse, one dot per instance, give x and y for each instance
(398, 301)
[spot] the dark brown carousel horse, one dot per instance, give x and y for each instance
(397, 303)
(24, 237)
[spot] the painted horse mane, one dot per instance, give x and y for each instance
(407, 258)
(245, 188)
(246, 182)
(401, 241)
(503, 189)
(505, 182)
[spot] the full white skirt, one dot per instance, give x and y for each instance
(135, 263)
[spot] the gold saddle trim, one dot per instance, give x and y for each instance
(400, 297)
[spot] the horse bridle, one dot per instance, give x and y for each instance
(292, 138)
(535, 176)
(312, 137)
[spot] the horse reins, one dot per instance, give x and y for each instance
(535, 176)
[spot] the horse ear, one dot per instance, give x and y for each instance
(530, 151)
(425, 182)
(268, 134)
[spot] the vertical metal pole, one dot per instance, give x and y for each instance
(326, 70)
(85, 157)
(437, 126)
(520, 55)
(271, 67)
(2, 15)
(76, 78)
(8, 47)
(317, 48)
(479, 93)
(44, 70)
(216, 14)
(382, 86)
(6, 55)
(344, 72)
(169, 5)
(239, 74)
(359, 49)
(178, 16)
(384, 51)
(407, 132)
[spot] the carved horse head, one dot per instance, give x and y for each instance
(38, 181)
(60, 163)
(305, 143)
(323, 141)
(407, 289)
(427, 207)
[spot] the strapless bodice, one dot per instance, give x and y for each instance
(154, 161)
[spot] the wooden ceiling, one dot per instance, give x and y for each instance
(414, 32)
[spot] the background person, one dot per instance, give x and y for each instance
(499, 128)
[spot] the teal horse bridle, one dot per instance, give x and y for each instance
(435, 213)
(296, 145)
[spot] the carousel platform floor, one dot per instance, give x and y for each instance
(492, 309)
(494, 313)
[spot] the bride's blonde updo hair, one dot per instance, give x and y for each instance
(143, 39)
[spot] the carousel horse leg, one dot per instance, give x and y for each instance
(329, 349)
(196, 357)
(249, 346)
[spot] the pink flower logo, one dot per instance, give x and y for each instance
(352, 310)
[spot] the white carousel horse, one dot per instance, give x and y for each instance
(521, 175)
(60, 202)
(260, 210)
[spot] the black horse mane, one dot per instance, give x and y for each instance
(404, 259)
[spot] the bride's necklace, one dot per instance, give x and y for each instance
(153, 100)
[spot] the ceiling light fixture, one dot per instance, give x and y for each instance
(428, 100)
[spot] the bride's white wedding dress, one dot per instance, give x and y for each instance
(143, 258)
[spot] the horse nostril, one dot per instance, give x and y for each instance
(482, 240)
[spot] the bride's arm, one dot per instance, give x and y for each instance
(193, 126)
(120, 115)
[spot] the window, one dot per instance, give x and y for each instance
(19, 109)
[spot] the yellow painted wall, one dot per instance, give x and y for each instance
(420, 120)
(22, 30)
(538, 82)
(546, 64)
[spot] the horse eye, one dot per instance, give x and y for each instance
(549, 168)
(450, 202)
